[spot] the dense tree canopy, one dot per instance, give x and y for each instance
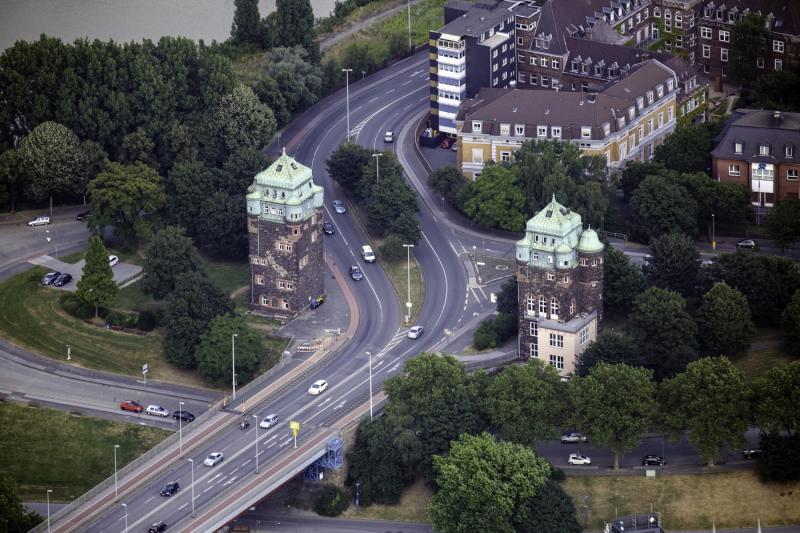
(298, 78)
(447, 181)
(783, 222)
(496, 200)
(246, 27)
(213, 353)
(776, 397)
(660, 206)
(551, 511)
(240, 121)
(749, 40)
(346, 164)
(54, 162)
(622, 281)
(791, 324)
(295, 25)
(687, 149)
(611, 347)
(723, 321)
(14, 518)
(674, 263)
(171, 254)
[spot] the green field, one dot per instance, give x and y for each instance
(48, 449)
(397, 272)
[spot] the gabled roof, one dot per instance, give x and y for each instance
(754, 127)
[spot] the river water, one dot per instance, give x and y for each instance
(124, 20)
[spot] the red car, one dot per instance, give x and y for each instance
(130, 405)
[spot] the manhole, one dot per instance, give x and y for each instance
(501, 267)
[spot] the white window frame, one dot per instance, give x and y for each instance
(791, 174)
(556, 340)
(541, 131)
(723, 55)
(763, 149)
(779, 64)
(733, 170)
(778, 46)
(477, 126)
(555, 132)
(707, 51)
(519, 130)
(705, 32)
(724, 36)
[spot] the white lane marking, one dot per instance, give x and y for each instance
(370, 101)
(223, 478)
(339, 406)
(213, 478)
(285, 443)
(231, 480)
(390, 91)
(182, 507)
(148, 499)
(235, 470)
(326, 401)
(271, 445)
(244, 463)
(207, 489)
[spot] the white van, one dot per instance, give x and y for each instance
(367, 254)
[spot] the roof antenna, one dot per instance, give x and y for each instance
(284, 150)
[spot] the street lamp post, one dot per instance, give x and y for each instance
(377, 166)
(192, 463)
(48, 509)
(363, 76)
(347, 72)
(125, 506)
(115, 469)
(410, 44)
(408, 248)
(233, 362)
(255, 419)
(180, 429)
(369, 354)
(713, 232)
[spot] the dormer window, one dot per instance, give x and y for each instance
(649, 97)
(640, 102)
(707, 11)
(719, 14)
(763, 149)
(519, 130)
(670, 84)
(738, 147)
(598, 70)
(555, 131)
(505, 129)
(477, 126)
(631, 113)
(656, 12)
(541, 131)
(660, 90)
(789, 150)
(586, 132)
(573, 66)
(606, 128)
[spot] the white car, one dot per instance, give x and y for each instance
(367, 254)
(39, 221)
(213, 458)
(318, 387)
(388, 137)
(269, 421)
(157, 410)
(112, 260)
(578, 459)
(415, 332)
(572, 437)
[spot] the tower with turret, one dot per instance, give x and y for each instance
(284, 222)
(560, 287)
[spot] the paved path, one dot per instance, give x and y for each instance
(339, 36)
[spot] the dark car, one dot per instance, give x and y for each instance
(751, 453)
(328, 228)
(356, 273)
(170, 489)
(84, 215)
(62, 280)
(653, 460)
(158, 527)
(50, 278)
(183, 415)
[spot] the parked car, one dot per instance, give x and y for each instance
(355, 273)
(183, 415)
(317, 301)
(388, 137)
(50, 278)
(653, 460)
(367, 254)
(318, 387)
(748, 244)
(158, 527)
(157, 410)
(569, 438)
(170, 489)
(447, 143)
(415, 332)
(339, 207)
(269, 421)
(83, 215)
(62, 280)
(213, 458)
(578, 459)
(751, 453)
(112, 260)
(39, 221)
(328, 228)
(131, 405)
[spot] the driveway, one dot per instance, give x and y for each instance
(123, 272)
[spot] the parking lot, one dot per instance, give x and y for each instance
(122, 271)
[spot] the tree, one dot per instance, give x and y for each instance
(127, 198)
(664, 330)
(54, 162)
(12, 177)
(96, 159)
(614, 405)
(392, 248)
(270, 95)
(480, 473)
(391, 199)
(239, 169)
(295, 24)
(776, 396)
(362, 56)
(299, 79)
(96, 286)
(447, 181)
(778, 458)
(723, 321)
(188, 185)
(190, 308)
(170, 255)
(246, 27)
(346, 164)
(783, 222)
(496, 201)
(635, 173)
(610, 347)
(222, 227)
(551, 511)
(749, 42)
(659, 206)
(137, 147)
(592, 203)
(674, 263)
(687, 149)
(526, 403)
(710, 400)
(14, 518)
(240, 121)
(622, 281)
(406, 227)
(507, 298)
(213, 351)
(791, 324)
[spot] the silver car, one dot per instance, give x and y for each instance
(157, 410)
(269, 421)
(39, 221)
(339, 207)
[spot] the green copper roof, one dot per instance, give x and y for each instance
(284, 173)
(554, 219)
(590, 242)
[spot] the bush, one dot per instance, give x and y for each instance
(332, 501)
(149, 320)
(121, 318)
(392, 248)
(486, 335)
(505, 325)
(778, 460)
(74, 306)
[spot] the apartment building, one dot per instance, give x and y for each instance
(623, 122)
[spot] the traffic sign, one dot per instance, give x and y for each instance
(144, 368)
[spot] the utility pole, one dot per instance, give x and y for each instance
(347, 72)
(408, 248)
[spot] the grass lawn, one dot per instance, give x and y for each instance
(412, 507)
(49, 449)
(229, 276)
(72, 258)
(727, 500)
(765, 352)
(397, 271)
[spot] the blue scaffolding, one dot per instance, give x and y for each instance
(333, 458)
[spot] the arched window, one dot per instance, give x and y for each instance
(542, 305)
(554, 307)
(531, 304)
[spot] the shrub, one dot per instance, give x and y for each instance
(74, 306)
(778, 461)
(121, 318)
(332, 501)
(505, 325)
(486, 335)
(392, 248)
(149, 320)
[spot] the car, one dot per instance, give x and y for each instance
(355, 273)
(170, 489)
(50, 277)
(328, 228)
(213, 458)
(83, 215)
(131, 405)
(157, 410)
(269, 421)
(748, 244)
(751, 453)
(339, 207)
(388, 137)
(158, 527)
(569, 438)
(447, 143)
(183, 415)
(318, 387)
(367, 254)
(62, 280)
(112, 260)
(39, 221)
(415, 332)
(578, 459)
(653, 460)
